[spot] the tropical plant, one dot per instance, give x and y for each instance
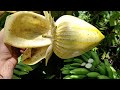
(98, 63)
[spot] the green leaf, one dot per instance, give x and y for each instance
(3, 18)
(113, 19)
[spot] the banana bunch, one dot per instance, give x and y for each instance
(88, 66)
(67, 37)
(21, 69)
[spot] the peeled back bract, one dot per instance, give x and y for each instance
(24, 29)
(34, 55)
(74, 37)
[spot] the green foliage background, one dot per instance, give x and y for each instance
(108, 22)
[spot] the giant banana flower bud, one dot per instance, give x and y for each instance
(74, 37)
(68, 37)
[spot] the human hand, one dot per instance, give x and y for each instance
(8, 58)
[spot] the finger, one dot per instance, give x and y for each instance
(22, 50)
(7, 69)
(1, 76)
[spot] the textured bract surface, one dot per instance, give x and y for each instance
(74, 36)
(24, 30)
(34, 55)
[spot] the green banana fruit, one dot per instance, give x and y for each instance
(17, 72)
(67, 77)
(78, 60)
(74, 77)
(96, 58)
(93, 74)
(75, 64)
(15, 77)
(23, 68)
(79, 71)
(103, 65)
(107, 62)
(89, 53)
(86, 55)
(84, 58)
(110, 72)
(67, 67)
(102, 70)
(115, 75)
(68, 60)
(103, 77)
(66, 71)
(71, 68)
